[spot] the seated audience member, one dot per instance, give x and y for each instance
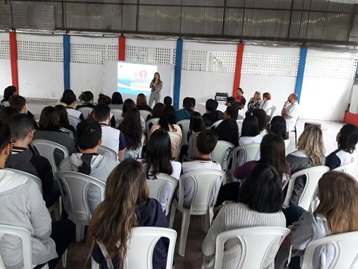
(212, 115)
(254, 102)
(193, 102)
(116, 101)
(22, 206)
(126, 205)
(250, 132)
(346, 153)
(63, 115)
(69, 98)
(49, 129)
(336, 213)
(278, 126)
(196, 124)
(8, 92)
(133, 132)
(240, 99)
(260, 203)
(167, 121)
(159, 160)
(142, 103)
(86, 99)
(266, 104)
(262, 120)
(230, 101)
(185, 112)
(6, 114)
(156, 112)
(205, 144)
(310, 152)
(19, 103)
(88, 161)
(290, 111)
(168, 101)
(104, 99)
(130, 104)
(22, 131)
(228, 129)
(111, 137)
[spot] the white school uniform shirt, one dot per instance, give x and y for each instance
(110, 137)
(266, 105)
(73, 112)
(293, 111)
(244, 140)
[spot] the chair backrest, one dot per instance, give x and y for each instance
(271, 111)
(76, 185)
(142, 243)
(346, 168)
(144, 114)
(221, 153)
(313, 174)
(239, 125)
(28, 175)
(65, 130)
(137, 153)
(215, 124)
(346, 251)
(184, 125)
(108, 152)
(85, 110)
(46, 148)
(150, 123)
(26, 243)
(73, 121)
(175, 140)
(207, 183)
(243, 154)
(192, 150)
(255, 244)
(162, 188)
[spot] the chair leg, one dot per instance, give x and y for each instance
(64, 259)
(184, 232)
(296, 137)
(206, 220)
(172, 216)
(79, 232)
(94, 265)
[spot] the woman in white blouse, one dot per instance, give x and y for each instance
(266, 102)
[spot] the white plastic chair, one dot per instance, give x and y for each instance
(29, 176)
(75, 185)
(117, 114)
(313, 174)
(184, 125)
(85, 110)
(142, 243)
(144, 114)
(46, 148)
(207, 183)
(137, 154)
(215, 124)
(103, 150)
(346, 251)
(150, 123)
(175, 140)
(221, 153)
(270, 111)
(73, 121)
(65, 130)
(241, 155)
(192, 150)
(347, 168)
(25, 236)
(255, 244)
(162, 188)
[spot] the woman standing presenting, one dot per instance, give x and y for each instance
(156, 87)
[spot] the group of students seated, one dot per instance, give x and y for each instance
(255, 199)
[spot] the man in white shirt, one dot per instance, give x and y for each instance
(290, 111)
(111, 138)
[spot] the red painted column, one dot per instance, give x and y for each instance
(121, 48)
(238, 67)
(13, 60)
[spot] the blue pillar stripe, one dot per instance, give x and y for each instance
(66, 61)
(301, 72)
(177, 72)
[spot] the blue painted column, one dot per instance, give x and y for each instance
(66, 61)
(177, 72)
(301, 72)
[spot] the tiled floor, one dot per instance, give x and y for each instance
(78, 252)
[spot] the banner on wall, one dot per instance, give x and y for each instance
(133, 78)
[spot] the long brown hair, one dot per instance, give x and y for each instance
(115, 217)
(311, 143)
(339, 201)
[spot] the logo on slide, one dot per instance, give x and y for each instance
(142, 74)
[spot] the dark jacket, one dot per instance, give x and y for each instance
(149, 214)
(211, 117)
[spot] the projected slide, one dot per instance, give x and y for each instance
(134, 78)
